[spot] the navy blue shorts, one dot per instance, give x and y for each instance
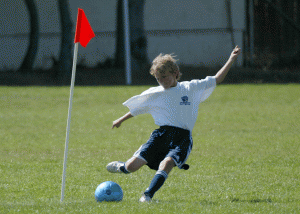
(167, 141)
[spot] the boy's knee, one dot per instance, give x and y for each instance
(169, 161)
(167, 164)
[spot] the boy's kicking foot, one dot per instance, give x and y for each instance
(114, 167)
(117, 167)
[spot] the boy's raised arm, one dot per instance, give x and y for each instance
(220, 76)
(117, 123)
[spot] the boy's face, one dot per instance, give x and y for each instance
(166, 79)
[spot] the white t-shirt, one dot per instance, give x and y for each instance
(176, 106)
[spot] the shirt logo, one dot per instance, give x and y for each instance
(185, 100)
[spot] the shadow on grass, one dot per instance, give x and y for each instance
(200, 202)
(254, 200)
(86, 76)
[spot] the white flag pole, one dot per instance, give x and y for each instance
(127, 43)
(69, 121)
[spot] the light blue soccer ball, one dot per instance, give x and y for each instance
(108, 191)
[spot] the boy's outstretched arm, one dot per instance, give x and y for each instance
(220, 76)
(117, 123)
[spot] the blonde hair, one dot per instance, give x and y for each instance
(163, 63)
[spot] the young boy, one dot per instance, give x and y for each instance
(174, 107)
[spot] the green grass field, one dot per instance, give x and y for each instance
(245, 159)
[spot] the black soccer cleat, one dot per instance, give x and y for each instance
(185, 166)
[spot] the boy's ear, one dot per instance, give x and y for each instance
(176, 73)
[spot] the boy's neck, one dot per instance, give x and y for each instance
(172, 86)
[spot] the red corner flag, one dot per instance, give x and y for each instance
(84, 32)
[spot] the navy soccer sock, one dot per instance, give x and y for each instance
(124, 170)
(156, 183)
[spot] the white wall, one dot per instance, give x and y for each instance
(198, 47)
(13, 20)
(201, 48)
(14, 29)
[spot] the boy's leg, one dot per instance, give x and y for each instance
(167, 165)
(161, 175)
(132, 165)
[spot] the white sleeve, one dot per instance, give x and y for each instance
(138, 105)
(205, 87)
(141, 104)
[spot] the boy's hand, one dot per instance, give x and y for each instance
(236, 51)
(116, 123)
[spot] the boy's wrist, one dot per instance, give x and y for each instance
(232, 59)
